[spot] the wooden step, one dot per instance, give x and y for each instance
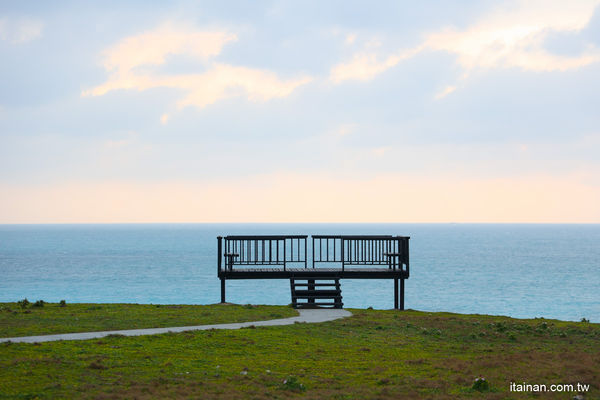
(314, 298)
(320, 304)
(316, 284)
(322, 292)
(310, 292)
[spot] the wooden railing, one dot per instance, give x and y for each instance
(361, 250)
(283, 250)
(268, 250)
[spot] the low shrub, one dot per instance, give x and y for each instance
(23, 303)
(481, 385)
(291, 383)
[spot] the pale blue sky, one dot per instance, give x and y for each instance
(474, 111)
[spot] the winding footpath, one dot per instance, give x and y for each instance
(310, 316)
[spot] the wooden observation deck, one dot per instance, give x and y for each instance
(329, 259)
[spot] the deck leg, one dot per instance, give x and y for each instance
(311, 286)
(222, 290)
(402, 294)
(396, 293)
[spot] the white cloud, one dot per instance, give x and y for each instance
(379, 151)
(514, 36)
(126, 140)
(509, 36)
(20, 30)
(365, 66)
(350, 38)
(447, 90)
(344, 130)
(131, 60)
(223, 81)
(152, 48)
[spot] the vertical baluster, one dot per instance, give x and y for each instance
(305, 255)
(334, 252)
(320, 249)
(362, 250)
(313, 251)
(343, 255)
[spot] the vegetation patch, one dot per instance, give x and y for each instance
(413, 355)
(40, 318)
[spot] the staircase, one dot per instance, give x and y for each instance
(316, 292)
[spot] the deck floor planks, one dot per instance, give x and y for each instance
(280, 273)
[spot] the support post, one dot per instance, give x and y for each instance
(311, 287)
(402, 294)
(293, 291)
(222, 290)
(395, 293)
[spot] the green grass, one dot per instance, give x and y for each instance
(52, 318)
(373, 354)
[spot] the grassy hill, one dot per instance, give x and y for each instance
(373, 354)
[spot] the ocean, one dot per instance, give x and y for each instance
(518, 270)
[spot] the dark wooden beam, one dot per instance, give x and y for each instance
(222, 290)
(396, 293)
(402, 294)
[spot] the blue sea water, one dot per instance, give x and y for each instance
(520, 270)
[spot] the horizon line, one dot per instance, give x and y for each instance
(298, 223)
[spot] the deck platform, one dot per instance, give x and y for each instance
(288, 273)
(331, 257)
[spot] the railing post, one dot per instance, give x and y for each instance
(313, 251)
(219, 254)
(396, 247)
(305, 255)
(406, 253)
(343, 254)
(284, 253)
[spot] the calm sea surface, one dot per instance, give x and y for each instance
(526, 271)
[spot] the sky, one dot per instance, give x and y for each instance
(300, 111)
